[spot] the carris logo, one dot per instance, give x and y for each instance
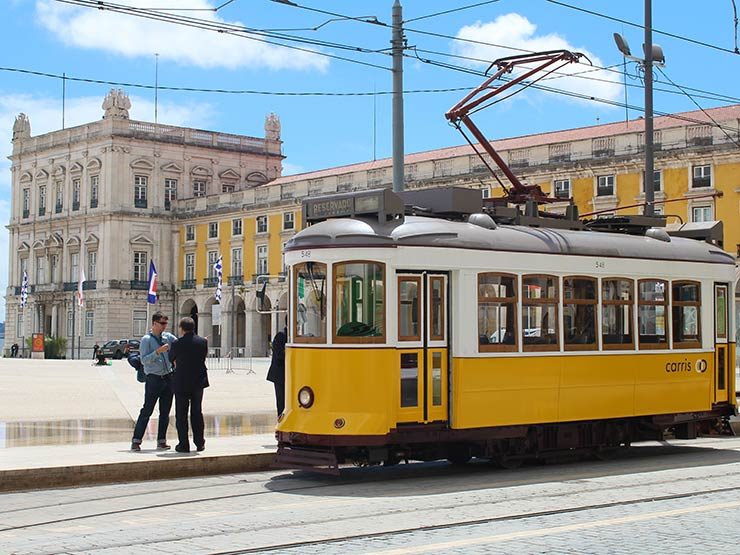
(701, 366)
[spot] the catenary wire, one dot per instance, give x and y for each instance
(453, 10)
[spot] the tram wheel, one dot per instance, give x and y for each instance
(507, 462)
(459, 455)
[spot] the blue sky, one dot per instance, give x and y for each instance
(323, 131)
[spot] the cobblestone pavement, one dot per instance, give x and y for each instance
(680, 497)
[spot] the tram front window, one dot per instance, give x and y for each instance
(310, 302)
(359, 302)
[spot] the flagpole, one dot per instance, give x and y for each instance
(74, 326)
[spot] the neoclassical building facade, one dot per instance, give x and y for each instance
(104, 198)
(113, 194)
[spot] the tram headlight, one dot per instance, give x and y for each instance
(305, 397)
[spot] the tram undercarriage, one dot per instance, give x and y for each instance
(506, 446)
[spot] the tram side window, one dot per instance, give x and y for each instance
(579, 313)
(309, 281)
(686, 304)
(359, 302)
(409, 309)
(540, 313)
(652, 308)
(497, 300)
(616, 314)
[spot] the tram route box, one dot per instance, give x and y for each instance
(445, 201)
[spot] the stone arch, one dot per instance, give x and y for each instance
(26, 177)
(200, 171)
(142, 164)
(94, 165)
(260, 326)
(256, 178)
(189, 308)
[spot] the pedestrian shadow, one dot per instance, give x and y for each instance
(176, 455)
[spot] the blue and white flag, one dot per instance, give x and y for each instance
(151, 298)
(218, 266)
(24, 290)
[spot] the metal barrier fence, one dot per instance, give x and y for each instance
(231, 362)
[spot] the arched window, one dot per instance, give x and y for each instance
(579, 313)
(686, 303)
(497, 300)
(540, 299)
(652, 313)
(617, 297)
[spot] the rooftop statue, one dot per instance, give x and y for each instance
(116, 105)
(272, 127)
(22, 127)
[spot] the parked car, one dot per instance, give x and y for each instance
(119, 348)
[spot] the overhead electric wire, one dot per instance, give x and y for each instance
(633, 24)
(698, 106)
(461, 8)
(234, 30)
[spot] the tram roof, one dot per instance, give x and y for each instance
(421, 231)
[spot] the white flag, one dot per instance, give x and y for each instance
(80, 294)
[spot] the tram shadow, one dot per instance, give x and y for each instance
(412, 478)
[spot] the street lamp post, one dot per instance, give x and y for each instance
(653, 55)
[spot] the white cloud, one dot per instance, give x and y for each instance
(133, 36)
(292, 169)
(517, 31)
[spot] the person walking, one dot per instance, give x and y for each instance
(188, 354)
(158, 369)
(14, 350)
(96, 348)
(276, 373)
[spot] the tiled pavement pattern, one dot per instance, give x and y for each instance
(678, 498)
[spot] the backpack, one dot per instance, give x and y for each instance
(135, 360)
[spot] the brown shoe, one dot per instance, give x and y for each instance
(135, 446)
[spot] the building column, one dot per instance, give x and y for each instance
(54, 332)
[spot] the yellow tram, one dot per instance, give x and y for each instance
(423, 328)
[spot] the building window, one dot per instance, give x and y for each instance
(71, 323)
(562, 188)
(76, 194)
(497, 301)
(288, 220)
(190, 267)
(213, 230)
(140, 185)
(42, 200)
(702, 213)
(140, 266)
(485, 192)
(170, 193)
(212, 258)
(261, 224)
(236, 227)
(92, 265)
(605, 186)
(199, 188)
(53, 266)
(90, 323)
(139, 323)
(359, 302)
(40, 270)
(19, 326)
(652, 305)
(94, 190)
(262, 260)
(686, 305)
(74, 266)
(579, 313)
(59, 199)
(540, 299)
(701, 176)
(657, 180)
(409, 308)
(616, 314)
(190, 233)
(236, 263)
(26, 202)
(227, 187)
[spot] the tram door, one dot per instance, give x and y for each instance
(723, 368)
(422, 347)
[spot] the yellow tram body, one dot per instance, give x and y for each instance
(388, 360)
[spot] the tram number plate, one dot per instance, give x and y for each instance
(600, 264)
(305, 254)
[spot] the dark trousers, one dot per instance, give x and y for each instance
(279, 397)
(156, 388)
(194, 400)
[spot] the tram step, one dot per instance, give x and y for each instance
(308, 459)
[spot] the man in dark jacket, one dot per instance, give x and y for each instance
(276, 373)
(188, 354)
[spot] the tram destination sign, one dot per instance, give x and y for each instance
(381, 203)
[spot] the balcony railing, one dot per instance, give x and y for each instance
(70, 286)
(42, 211)
(93, 203)
(140, 203)
(31, 289)
(139, 284)
(75, 206)
(89, 285)
(187, 284)
(210, 282)
(26, 213)
(236, 280)
(167, 205)
(260, 278)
